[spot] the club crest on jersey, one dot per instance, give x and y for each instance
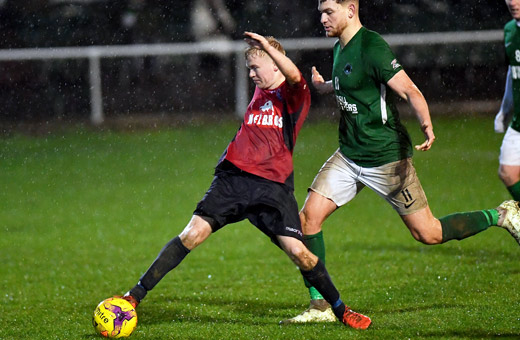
(395, 64)
(347, 69)
(265, 116)
(267, 108)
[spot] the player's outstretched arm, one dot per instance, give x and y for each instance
(287, 67)
(503, 117)
(319, 82)
(406, 89)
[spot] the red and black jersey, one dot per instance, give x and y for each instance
(264, 144)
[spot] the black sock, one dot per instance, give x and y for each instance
(320, 279)
(138, 292)
(170, 256)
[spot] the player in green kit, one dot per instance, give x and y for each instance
(374, 147)
(509, 169)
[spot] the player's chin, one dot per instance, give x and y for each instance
(331, 34)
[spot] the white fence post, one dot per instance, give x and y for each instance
(241, 85)
(96, 99)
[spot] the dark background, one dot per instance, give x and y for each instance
(41, 90)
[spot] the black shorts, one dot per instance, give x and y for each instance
(235, 195)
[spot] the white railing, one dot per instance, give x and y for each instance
(95, 53)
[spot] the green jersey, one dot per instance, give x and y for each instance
(370, 131)
(512, 43)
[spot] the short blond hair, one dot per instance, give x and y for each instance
(341, 1)
(250, 51)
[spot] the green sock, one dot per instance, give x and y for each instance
(514, 190)
(458, 226)
(316, 245)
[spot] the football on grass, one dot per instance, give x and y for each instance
(114, 318)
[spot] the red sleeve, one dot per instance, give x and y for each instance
(296, 95)
(298, 99)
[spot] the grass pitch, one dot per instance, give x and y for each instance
(83, 214)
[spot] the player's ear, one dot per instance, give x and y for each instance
(351, 10)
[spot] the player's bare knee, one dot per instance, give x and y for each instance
(502, 174)
(429, 241)
(193, 236)
(301, 257)
(296, 253)
(429, 238)
(424, 227)
(304, 218)
(509, 175)
(310, 225)
(189, 239)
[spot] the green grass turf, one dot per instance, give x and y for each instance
(83, 214)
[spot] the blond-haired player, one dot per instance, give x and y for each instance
(254, 178)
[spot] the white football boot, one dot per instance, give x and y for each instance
(511, 220)
(318, 311)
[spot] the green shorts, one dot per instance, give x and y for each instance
(340, 180)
